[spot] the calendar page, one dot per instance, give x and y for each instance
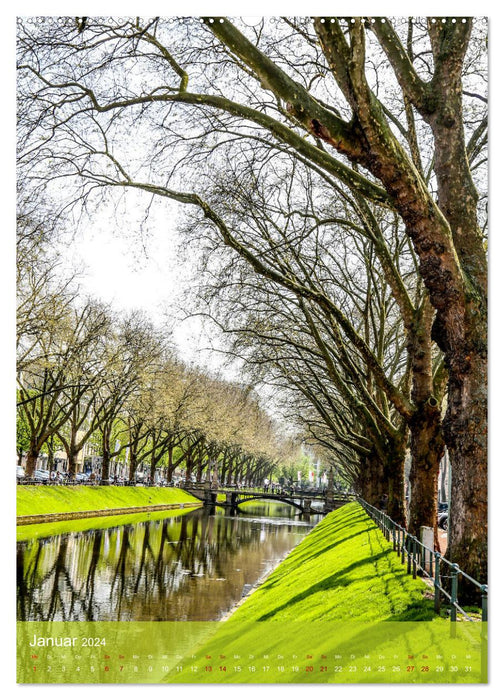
(251, 350)
(198, 652)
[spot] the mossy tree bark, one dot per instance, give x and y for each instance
(394, 479)
(427, 448)
(465, 423)
(371, 479)
(427, 442)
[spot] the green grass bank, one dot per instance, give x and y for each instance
(340, 608)
(40, 530)
(42, 500)
(343, 570)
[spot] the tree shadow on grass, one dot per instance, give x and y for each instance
(417, 611)
(275, 576)
(339, 579)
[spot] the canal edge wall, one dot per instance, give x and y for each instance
(77, 515)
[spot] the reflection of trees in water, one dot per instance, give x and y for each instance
(118, 586)
(144, 571)
(91, 574)
(26, 573)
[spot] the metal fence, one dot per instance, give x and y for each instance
(26, 481)
(420, 559)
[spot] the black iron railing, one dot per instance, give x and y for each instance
(420, 559)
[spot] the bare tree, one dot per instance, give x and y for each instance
(331, 109)
(83, 394)
(55, 382)
(350, 273)
(133, 349)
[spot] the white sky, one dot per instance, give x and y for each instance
(113, 275)
(131, 262)
(123, 270)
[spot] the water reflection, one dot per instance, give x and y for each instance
(190, 567)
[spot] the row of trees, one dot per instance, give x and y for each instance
(343, 163)
(86, 375)
(353, 355)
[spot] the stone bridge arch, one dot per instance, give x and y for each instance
(268, 497)
(300, 501)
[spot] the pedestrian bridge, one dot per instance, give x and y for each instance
(299, 499)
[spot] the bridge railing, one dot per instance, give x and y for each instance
(229, 488)
(420, 559)
(86, 481)
(276, 491)
(68, 481)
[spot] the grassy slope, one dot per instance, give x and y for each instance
(34, 500)
(339, 590)
(344, 569)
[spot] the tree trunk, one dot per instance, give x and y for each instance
(443, 495)
(223, 468)
(427, 442)
(72, 452)
(370, 482)
(105, 464)
(153, 465)
(170, 468)
(465, 424)
(31, 460)
(152, 471)
(451, 254)
(427, 448)
(189, 466)
(50, 455)
(394, 479)
(72, 462)
(465, 428)
(133, 465)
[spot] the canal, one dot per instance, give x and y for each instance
(193, 566)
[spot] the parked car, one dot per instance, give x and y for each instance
(443, 520)
(41, 476)
(20, 473)
(82, 476)
(442, 507)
